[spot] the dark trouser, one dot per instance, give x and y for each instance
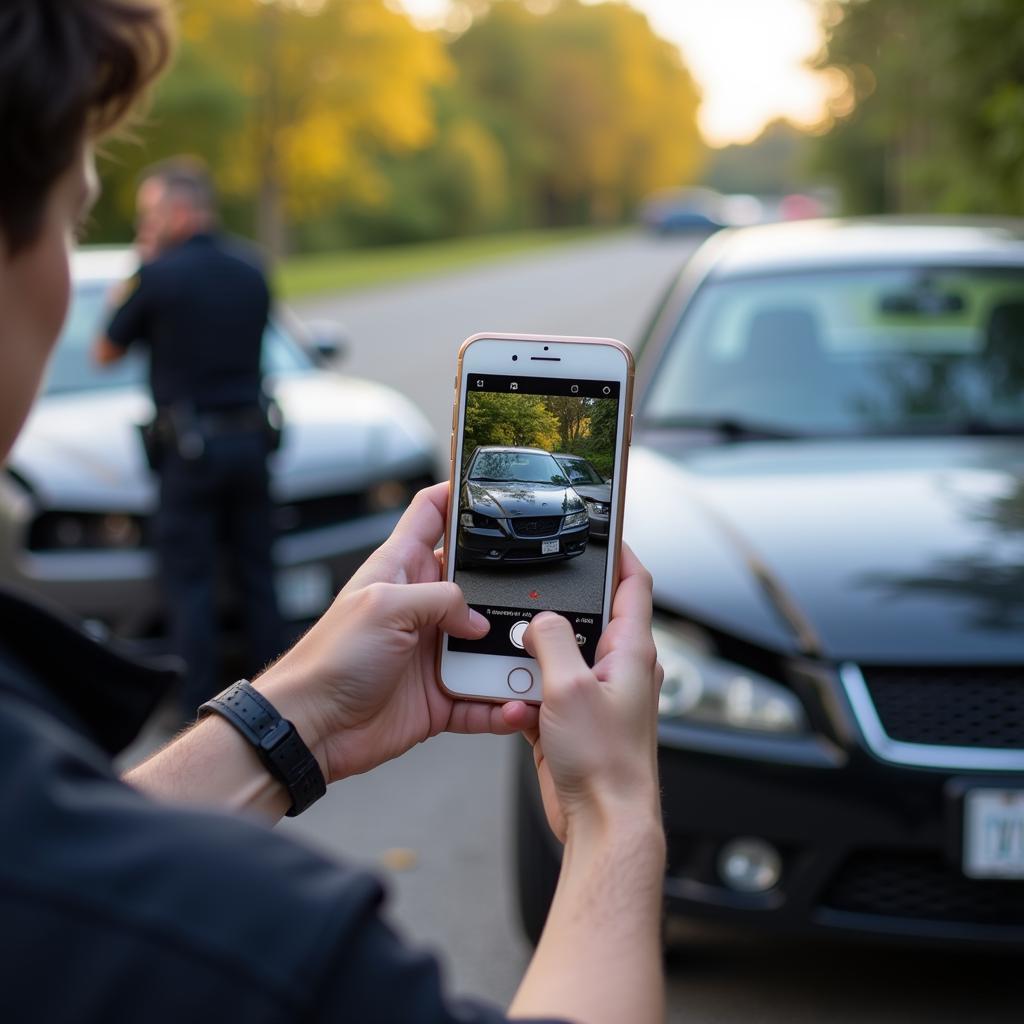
(219, 503)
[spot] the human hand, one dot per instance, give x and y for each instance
(596, 746)
(361, 685)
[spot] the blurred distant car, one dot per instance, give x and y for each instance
(595, 491)
(695, 210)
(77, 498)
(516, 506)
(827, 483)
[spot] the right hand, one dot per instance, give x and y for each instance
(596, 747)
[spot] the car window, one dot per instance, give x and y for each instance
(580, 472)
(518, 467)
(72, 369)
(859, 351)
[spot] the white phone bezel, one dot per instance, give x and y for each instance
(485, 676)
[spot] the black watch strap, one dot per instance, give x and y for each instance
(275, 739)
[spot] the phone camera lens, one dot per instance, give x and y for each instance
(514, 358)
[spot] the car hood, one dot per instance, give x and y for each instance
(900, 551)
(82, 451)
(515, 499)
(595, 492)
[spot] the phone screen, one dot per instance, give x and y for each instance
(535, 504)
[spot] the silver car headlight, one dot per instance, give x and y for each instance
(575, 519)
(702, 688)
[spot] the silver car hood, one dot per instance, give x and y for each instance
(82, 451)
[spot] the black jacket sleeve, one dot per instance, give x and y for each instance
(131, 321)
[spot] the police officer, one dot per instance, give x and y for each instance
(200, 303)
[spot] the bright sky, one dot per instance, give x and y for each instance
(748, 56)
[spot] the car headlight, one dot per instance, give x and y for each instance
(702, 688)
(575, 519)
(481, 522)
(84, 531)
(598, 508)
(386, 495)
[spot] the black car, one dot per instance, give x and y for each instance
(827, 482)
(517, 506)
(595, 491)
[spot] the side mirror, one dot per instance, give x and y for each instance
(328, 340)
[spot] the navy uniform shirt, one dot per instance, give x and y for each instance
(201, 308)
(115, 908)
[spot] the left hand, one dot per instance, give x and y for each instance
(361, 685)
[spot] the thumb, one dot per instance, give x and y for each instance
(551, 640)
(442, 605)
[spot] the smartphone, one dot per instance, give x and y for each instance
(540, 436)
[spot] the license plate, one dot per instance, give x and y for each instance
(549, 547)
(304, 591)
(994, 833)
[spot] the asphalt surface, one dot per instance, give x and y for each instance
(568, 585)
(435, 823)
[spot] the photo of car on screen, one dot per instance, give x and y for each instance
(516, 505)
(593, 488)
(533, 492)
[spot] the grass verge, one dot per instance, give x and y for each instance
(302, 276)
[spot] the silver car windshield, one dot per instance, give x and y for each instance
(858, 352)
(580, 472)
(72, 369)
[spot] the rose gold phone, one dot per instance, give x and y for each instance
(540, 437)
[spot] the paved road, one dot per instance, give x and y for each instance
(436, 822)
(409, 336)
(575, 584)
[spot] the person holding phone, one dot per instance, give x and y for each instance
(159, 897)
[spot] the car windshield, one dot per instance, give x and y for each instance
(875, 351)
(517, 467)
(579, 471)
(72, 369)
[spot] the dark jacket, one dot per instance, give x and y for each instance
(117, 908)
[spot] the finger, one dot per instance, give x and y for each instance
(468, 716)
(551, 640)
(634, 595)
(422, 605)
(423, 520)
(520, 716)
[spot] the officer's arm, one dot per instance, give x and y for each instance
(127, 323)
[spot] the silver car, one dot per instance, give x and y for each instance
(77, 497)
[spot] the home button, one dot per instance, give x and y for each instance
(520, 680)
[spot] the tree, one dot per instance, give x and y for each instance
(937, 97)
(520, 420)
(573, 417)
(594, 109)
(308, 90)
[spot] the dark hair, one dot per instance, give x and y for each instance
(187, 177)
(70, 70)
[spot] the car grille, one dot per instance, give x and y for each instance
(314, 513)
(539, 526)
(923, 887)
(960, 707)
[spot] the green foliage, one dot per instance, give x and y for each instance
(938, 116)
(596, 441)
(593, 110)
(775, 163)
(576, 426)
(520, 420)
(331, 123)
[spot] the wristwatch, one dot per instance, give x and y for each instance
(276, 741)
